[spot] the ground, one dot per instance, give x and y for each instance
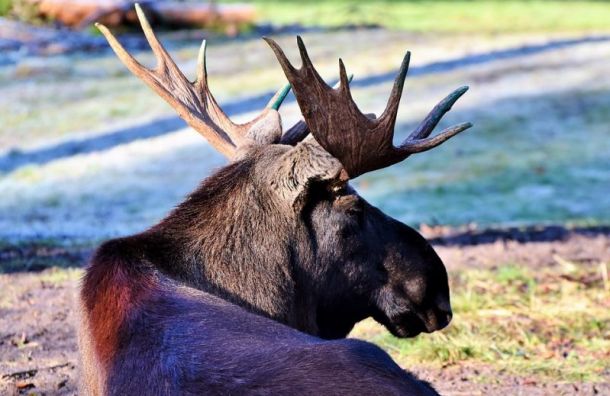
(542, 327)
(88, 153)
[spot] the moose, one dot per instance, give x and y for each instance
(251, 284)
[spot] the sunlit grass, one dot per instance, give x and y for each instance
(552, 323)
(58, 275)
(483, 180)
(444, 16)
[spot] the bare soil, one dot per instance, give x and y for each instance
(38, 341)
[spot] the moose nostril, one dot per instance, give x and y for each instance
(444, 318)
(442, 312)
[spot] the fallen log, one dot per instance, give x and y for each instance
(79, 14)
(19, 39)
(197, 14)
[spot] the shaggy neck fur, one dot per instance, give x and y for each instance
(229, 239)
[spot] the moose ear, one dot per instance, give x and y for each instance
(267, 128)
(297, 168)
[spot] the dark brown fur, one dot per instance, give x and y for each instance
(275, 239)
(218, 297)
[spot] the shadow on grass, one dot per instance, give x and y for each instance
(33, 256)
(550, 233)
(15, 159)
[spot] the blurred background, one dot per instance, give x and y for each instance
(518, 207)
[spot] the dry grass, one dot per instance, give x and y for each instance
(552, 324)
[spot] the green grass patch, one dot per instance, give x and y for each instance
(491, 16)
(552, 323)
(482, 180)
(23, 10)
(59, 276)
(5, 7)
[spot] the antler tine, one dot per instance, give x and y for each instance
(201, 84)
(391, 110)
(166, 65)
(425, 128)
(303, 52)
(344, 88)
(281, 57)
(202, 69)
(132, 64)
(276, 101)
(344, 84)
(307, 65)
(420, 145)
(163, 58)
(418, 140)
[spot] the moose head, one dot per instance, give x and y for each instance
(279, 230)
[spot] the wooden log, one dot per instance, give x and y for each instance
(78, 13)
(82, 13)
(196, 14)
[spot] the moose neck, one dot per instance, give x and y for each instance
(230, 239)
(337, 318)
(227, 239)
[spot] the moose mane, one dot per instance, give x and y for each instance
(226, 238)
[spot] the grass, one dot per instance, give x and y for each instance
(5, 7)
(462, 16)
(550, 181)
(534, 156)
(58, 276)
(552, 323)
(23, 10)
(444, 16)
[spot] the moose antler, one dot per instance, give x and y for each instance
(194, 101)
(362, 144)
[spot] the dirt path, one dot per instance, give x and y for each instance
(37, 337)
(38, 342)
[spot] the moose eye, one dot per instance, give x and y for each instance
(345, 200)
(338, 189)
